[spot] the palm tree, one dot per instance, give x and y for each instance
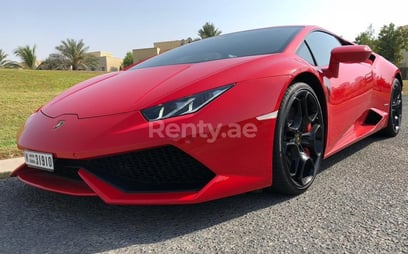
(208, 30)
(3, 57)
(4, 63)
(27, 56)
(76, 53)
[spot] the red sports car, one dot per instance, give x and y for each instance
(213, 118)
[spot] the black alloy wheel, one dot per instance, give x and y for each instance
(395, 112)
(299, 140)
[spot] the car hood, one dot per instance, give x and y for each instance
(133, 90)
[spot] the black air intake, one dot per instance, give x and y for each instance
(155, 170)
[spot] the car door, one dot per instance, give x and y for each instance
(349, 94)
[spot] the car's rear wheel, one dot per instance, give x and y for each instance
(395, 112)
(299, 140)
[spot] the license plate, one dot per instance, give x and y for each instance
(39, 160)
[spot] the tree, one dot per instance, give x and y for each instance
(55, 62)
(187, 41)
(367, 38)
(4, 63)
(208, 30)
(391, 42)
(128, 60)
(76, 54)
(27, 56)
(90, 62)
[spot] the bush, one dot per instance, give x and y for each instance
(404, 72)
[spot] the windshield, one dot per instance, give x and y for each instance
(240, 44)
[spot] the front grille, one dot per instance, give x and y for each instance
(155, 170)
(67, 168)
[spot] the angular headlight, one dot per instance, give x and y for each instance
(184, 105)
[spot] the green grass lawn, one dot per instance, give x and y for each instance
(24, 91)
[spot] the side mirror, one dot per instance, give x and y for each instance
(347, 54)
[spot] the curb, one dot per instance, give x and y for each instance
(7, 166)
(4, 175)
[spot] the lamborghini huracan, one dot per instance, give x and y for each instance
(213, 118)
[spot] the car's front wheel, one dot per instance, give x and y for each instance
(299, 140)
(395, 112)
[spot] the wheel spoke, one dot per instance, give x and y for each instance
(308, 138)
(300, 164)
(292, 153)
(309, 108)
(305, 169)
(396, 103)
(399, 101)
(294, 119)
(313, 140)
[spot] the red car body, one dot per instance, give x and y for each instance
(100, 122)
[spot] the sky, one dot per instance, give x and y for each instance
(122, 25)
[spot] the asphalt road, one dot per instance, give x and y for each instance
(358, 203)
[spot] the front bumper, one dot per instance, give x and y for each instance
(214, 168)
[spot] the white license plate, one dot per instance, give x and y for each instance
(39, 160)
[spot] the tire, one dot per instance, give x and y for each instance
(299, 140)
(395, 112)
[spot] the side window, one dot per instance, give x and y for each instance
(321, 45)
(304, 52)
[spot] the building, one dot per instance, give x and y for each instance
(158, 48)
(107, 62)
(144, 53)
